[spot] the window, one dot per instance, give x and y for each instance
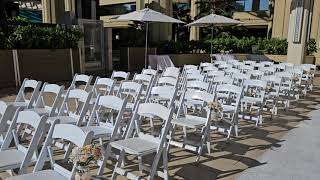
(116, 9)
(252, 5)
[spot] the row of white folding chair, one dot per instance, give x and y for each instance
(65, 132)
(14, 154)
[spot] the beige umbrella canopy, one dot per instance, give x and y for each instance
(214, 20)
(147, 16)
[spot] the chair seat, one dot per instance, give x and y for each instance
(251, 100)
(93, 100)
(135, 146)
(40, 175)
(99, 131)
(129, 106)
(11, 159)
(64, 119)
(228, 108)
(191, 123)
(41, 111)
(19, 104)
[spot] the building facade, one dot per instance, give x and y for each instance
(294, 20)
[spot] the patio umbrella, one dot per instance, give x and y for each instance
(214, 20)
(147, 16)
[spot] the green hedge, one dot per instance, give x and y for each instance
(36, 37)
(235, 45)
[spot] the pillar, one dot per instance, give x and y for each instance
(52, 11)
(194, 31)
(108, 47)
(166, 28)
(298, 30)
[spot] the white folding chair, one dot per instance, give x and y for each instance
(106, 122)
(167, 81)
(67, 132)
(164, 95)
(149, 72)
(7, 113)
(132, 91)
(212, 74)
(198, 85)
(52, 92)
(171, 72)
(272, 93)
(229, 96)
(253, 100)
(21, 99)
(145, 143)
(199, 119)
(74, 107)
(81, 79)
(119, 76)
(19, 156)
(147, 82)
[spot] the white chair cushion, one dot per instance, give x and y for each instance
(40, 175)
(64, 119)
(10, 159)
(191, 123)
(135, 146)
(99, 131)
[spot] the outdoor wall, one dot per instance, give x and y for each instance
(182, 59)
(47, 65)
(7, 78)
(132, 58)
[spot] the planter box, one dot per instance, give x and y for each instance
(7, 78)
(51, 65)
(182, 59)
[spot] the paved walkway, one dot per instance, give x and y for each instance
(298, 158)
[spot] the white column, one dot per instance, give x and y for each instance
(298, 30)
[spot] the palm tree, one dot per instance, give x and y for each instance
(221, 7)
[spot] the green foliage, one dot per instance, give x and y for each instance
(4, 44)
(233, 44)
(18, 19)
(35, 37)
(312, 47)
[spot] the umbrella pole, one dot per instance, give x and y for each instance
(211, 44)
(146, 48)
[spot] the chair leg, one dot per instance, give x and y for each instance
(236, 129)
(165, 164)
(155, 165)
(118, 165)
(104, 160)
(140, 163)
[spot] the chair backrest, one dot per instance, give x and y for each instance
(273, 82)
(130, 90)
(195, 77)
(80, 100)
(108, 111)
(229, 95)
(151, 110)
(163, 95)
(205, 64)
(256, 88)
(120, 75)
(167, 81)
(103, 86)
(198, 101)
(198, 85)
(256, 74)
(143, 78)
(29, 84)
(49, 90)
(149, 72)
(68, 133)
(81, 78)
(222, 80)
(25, 119)
(171, 72)
(6, 115)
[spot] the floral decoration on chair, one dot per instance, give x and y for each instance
(84, 157)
